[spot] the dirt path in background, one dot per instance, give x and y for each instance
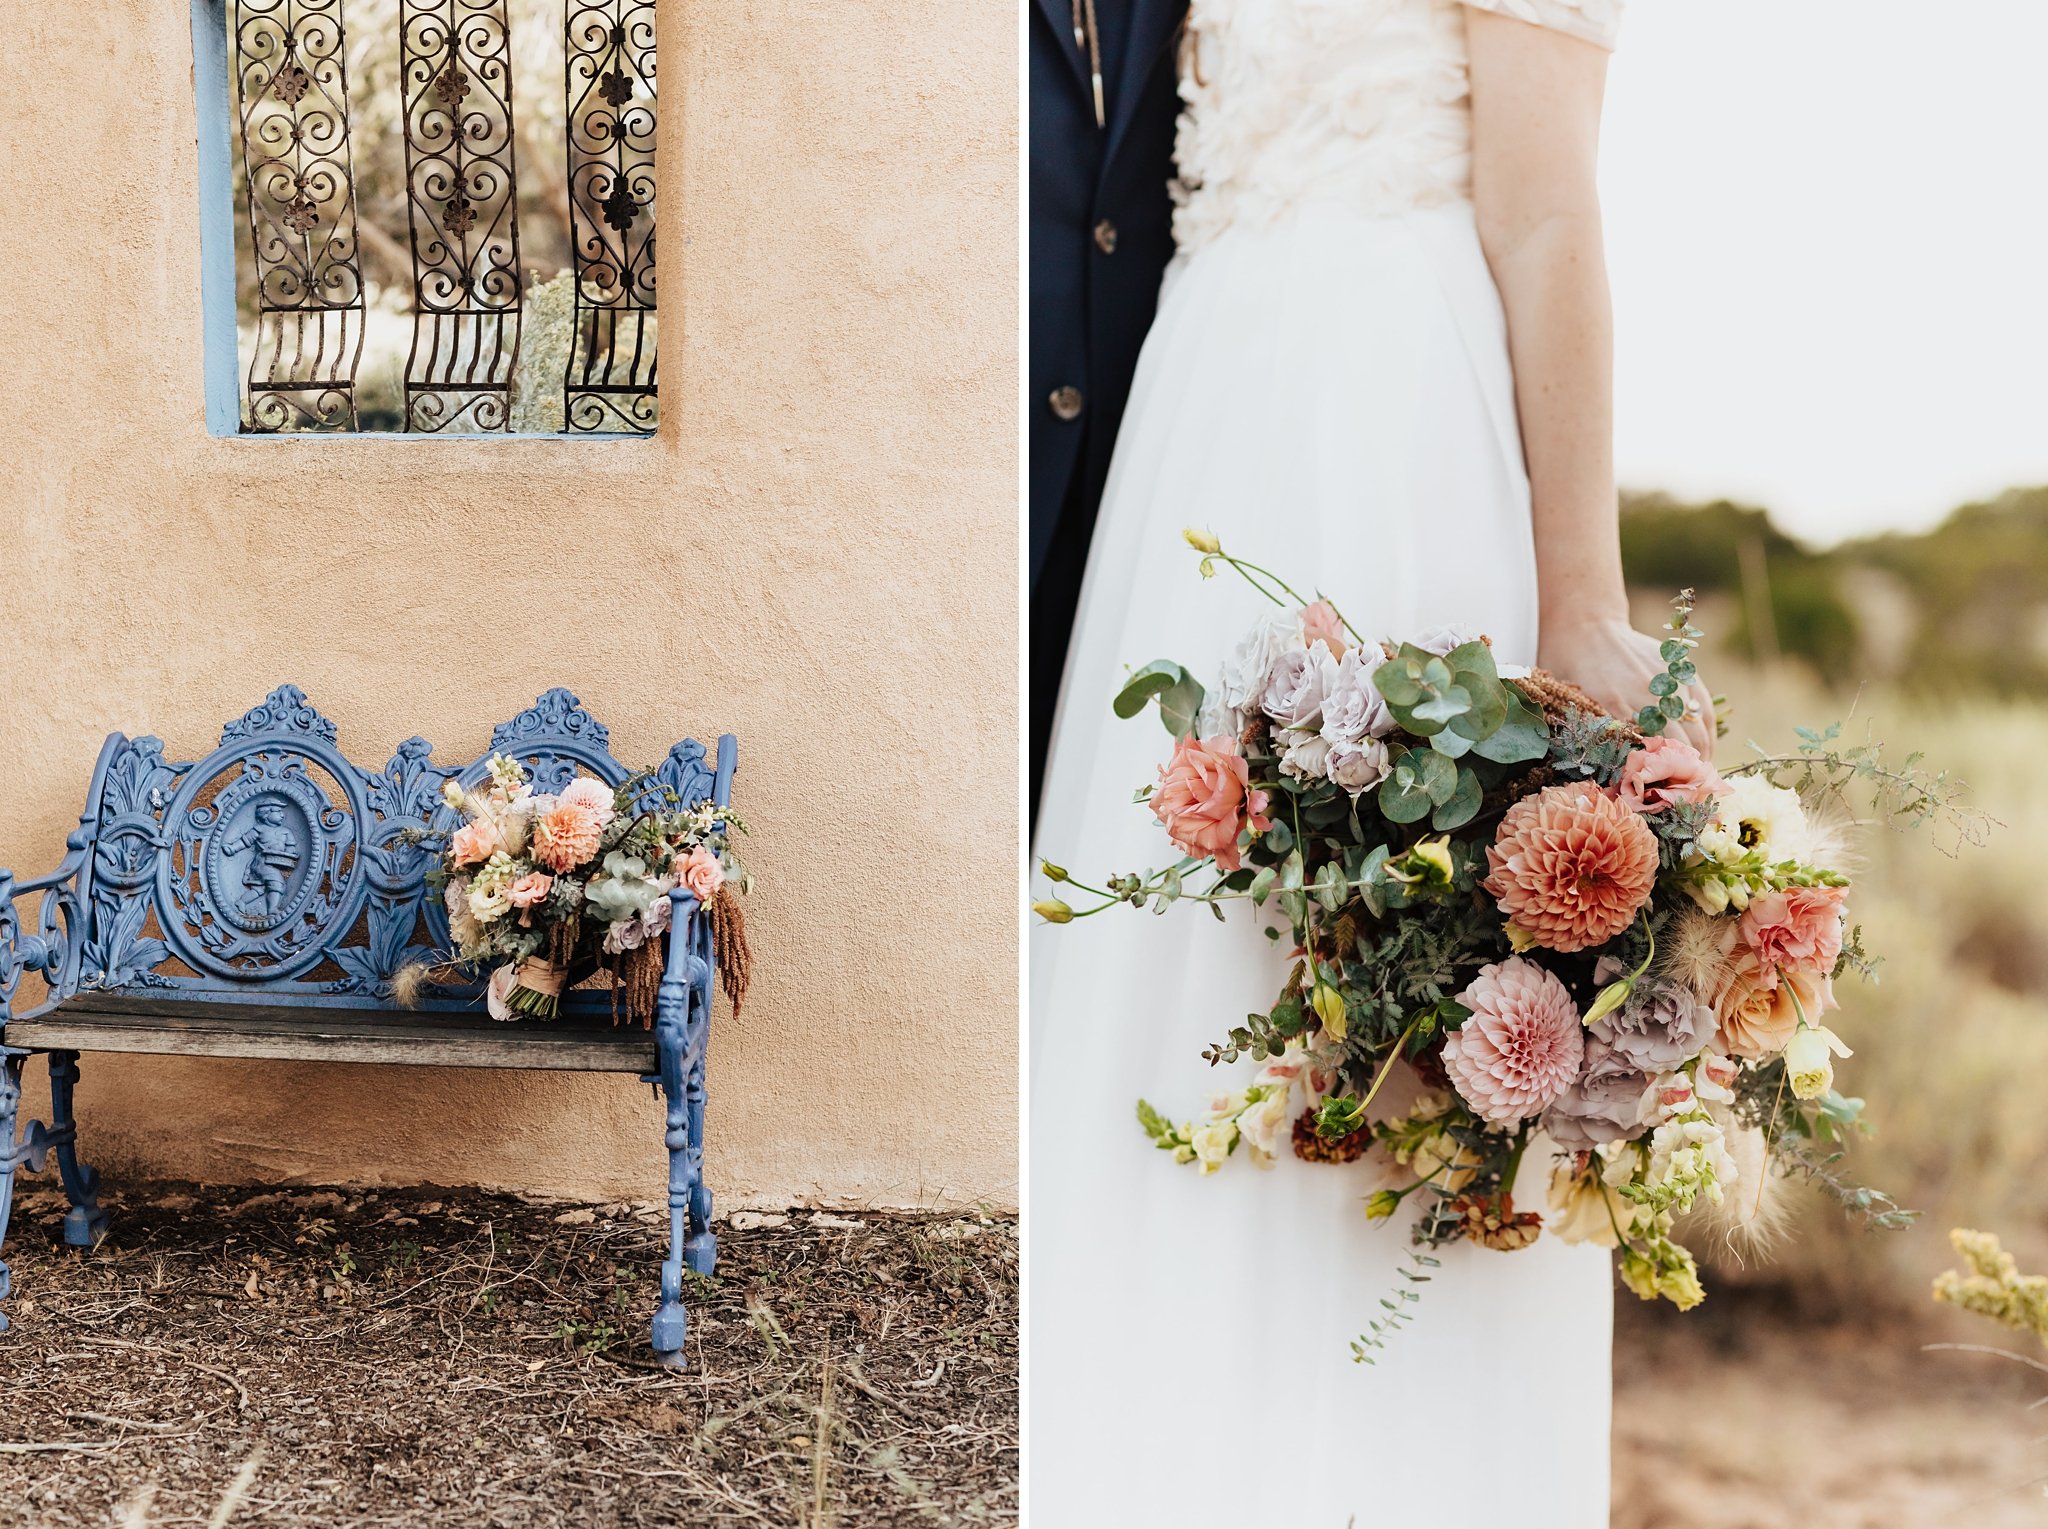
(1734, 1417)
(445, 1358)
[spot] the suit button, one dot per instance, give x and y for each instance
(1105, 237)
(1065, 403)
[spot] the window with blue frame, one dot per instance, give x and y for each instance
(429, 216)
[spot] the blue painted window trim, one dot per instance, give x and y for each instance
(217, 216)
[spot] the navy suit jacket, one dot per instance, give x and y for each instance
(1090, 308)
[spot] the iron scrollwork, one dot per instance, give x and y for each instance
(462, 205)
(292, 72)
(610, 384)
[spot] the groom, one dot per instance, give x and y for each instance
(1102, 117)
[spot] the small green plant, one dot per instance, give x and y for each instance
(587, 1337)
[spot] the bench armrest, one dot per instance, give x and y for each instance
(42, 929)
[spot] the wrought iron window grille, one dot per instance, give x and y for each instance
(314, 135)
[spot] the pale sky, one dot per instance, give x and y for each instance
(1827, 227)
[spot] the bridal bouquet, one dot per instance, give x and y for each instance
(1574, 927)
(544, 890)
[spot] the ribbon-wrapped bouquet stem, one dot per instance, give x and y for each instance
(1582, 935)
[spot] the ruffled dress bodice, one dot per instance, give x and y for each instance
(1361, 103)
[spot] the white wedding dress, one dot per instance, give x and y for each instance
(1327, 388)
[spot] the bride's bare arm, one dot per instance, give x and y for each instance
(1536, 96)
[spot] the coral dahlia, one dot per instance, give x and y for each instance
(1571, 865)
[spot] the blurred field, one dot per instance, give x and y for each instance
(1800, 1395)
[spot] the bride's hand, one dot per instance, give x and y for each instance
(1614, 663)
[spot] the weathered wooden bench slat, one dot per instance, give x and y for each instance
(161, 1027)
(263, 901)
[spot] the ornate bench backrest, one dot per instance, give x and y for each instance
(274, 870)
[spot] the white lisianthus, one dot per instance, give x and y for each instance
(487, 891)
(487, 902)
(1756, 817)
(1810, 1060)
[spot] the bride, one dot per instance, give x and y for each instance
(1382, 357)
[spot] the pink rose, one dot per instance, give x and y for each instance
(529, 890)
(1798, 929)
(700, 873)
(1205, 800)
(1320, 622)
(475, 841)
(1665, 771)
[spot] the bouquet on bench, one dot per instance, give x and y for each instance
(543, 890)
(1576, 929)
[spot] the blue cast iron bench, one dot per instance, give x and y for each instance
(168, 929)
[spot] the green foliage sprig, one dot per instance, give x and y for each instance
(1903, 796)
(1667, 690)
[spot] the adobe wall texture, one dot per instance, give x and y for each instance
(819, 553)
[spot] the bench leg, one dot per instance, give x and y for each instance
(85, 1223)
(671, 1320)
(700, 1249)
(10, 1154)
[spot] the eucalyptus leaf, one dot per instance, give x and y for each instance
(1180, 705)
(1157, 677)
(1291, 872)
(1402, 797)
(1488, 711)
(1473, 658)
(1395, 682)
(1463, 805)
(1515, 742)
(1451, 701)
(1439, 776)
(1451, 743)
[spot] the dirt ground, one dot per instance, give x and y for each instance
(453, 1358)
(1742, 1416)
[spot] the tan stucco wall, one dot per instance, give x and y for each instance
(825, 534)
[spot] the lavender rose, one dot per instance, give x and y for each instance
(1354, 707)
(1302, 679)
(1442, 639)
(1604, 1103)
(1250, 666)
(1660, 1027)
(1360, 765)
(1305, 755)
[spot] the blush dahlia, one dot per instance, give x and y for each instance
(1522, 1046)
